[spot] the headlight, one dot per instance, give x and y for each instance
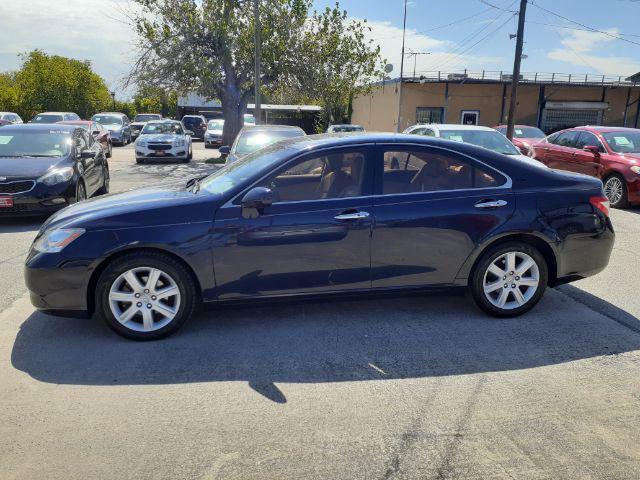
(179, 143)
(142, 142)
(636, 169)
(57, 175)
(54, 241)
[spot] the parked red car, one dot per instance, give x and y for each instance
(99, 133)
(523, 136)
(610, 153)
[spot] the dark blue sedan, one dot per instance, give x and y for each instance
(324, 216)
(45, 167)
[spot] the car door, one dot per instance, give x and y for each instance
(559, 154)
(425, 230)
(88, 166)
(587, 162)
(314, 238)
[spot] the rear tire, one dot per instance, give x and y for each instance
(129, 295)
(105, 183)
(110, 150)
(509, 279)
(615, 189)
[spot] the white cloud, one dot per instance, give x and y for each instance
(389, 37)
(579, 47)
(93, 30)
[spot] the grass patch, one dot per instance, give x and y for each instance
(215, 161)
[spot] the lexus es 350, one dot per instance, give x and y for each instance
(324, 216)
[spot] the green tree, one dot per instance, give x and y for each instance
(9, 93)
(51, 82)
(152, 99)
(208, 46)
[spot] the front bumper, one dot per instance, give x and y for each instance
(56, 286)
(212, 139)
(40, 200)
(154, 153)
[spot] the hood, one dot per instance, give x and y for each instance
(159, 137)
(113, 128)
(27, 167)
(143, 207)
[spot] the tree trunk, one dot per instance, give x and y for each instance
(233, 108)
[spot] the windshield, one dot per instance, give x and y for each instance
(47, 119)
(490, 140)
(236, 173)
(35, 144)
(347, 128)
(251, 140)
(623, 142)
(523, 132)
(107, 119)
(145, 118)
(215, 124)
(166, 128)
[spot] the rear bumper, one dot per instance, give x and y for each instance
(633, 188)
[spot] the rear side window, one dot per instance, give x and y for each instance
(415, 170)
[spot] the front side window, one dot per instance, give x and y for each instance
(327, 176)
(588, 139)
(567, 139)
(413, 171)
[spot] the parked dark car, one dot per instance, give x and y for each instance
(324, 216)
(118, 125)
(611, 154)
(54, 117)
(523, 136)
(254, 137)
(99, 133)
(46, 167)
(197, 124)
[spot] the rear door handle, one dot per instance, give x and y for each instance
(352, 216)
(490, 204)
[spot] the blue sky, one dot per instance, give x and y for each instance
(95, 30)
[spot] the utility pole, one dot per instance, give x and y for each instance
(516, 69)
(415, 60)
(404, 29)
(257, 113)
(113, 97)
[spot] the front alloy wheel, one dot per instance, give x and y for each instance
(509, 279)
(145, 295)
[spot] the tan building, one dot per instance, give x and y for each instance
(548, 101)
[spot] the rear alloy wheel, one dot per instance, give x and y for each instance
(105, 183)
(109, 150)
(509, 279)
(615, 189)
(145, 296)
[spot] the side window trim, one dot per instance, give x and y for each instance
(381, 148)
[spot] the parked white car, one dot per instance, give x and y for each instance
(10, 117)
(164, 140)
(213, 135)
(485, 137)
(345, 128)
(140, 120)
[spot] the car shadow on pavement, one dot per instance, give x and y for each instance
(369, 339)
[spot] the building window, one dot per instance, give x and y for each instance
(429, 114)
(470, 117)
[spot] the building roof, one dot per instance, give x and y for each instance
(635, 78)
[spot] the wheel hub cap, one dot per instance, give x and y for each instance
(511, 280)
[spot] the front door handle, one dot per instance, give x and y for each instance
(490, 204)
(352, 216)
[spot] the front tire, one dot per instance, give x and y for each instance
(145, 296)
(509, 279)
(110, 150)
(81, 191)
(615, 189)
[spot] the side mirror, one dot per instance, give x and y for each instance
(255, 201)
(87, 154)
(592, 149)
(224, 150)
(189, 132)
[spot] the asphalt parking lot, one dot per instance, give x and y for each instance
(395, 388)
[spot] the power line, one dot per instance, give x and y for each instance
(595, 30)
(566, 27)
(455, 22)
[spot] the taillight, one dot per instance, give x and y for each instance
(601, 203)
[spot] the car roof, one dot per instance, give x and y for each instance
(455, 126)
(54, 113)
(164, 120)
(110, 113)
(502, 125)
(345, 125)
(44, 127)
(157, 114)
(602, 129)
(76, 122)
(271, 127)
(192, 115)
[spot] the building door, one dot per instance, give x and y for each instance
(469, 117)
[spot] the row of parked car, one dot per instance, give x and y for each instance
(611, 154)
